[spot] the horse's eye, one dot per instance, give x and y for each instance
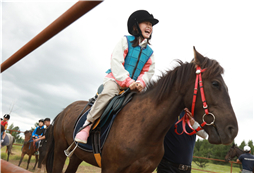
(216, 84)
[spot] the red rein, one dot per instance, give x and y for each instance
(185, 118)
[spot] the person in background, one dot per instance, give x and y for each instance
(4, 122)
(179, 148)
(3, 134)
(47, 124)
(37, 133)
(4, 125)
(247, 160)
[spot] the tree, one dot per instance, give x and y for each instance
(250, 144)
(219, 152)
(35, 125)
(242, 144)
(201, 149)
(15, 134)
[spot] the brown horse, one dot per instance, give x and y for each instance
(135, 142)
(234, 151)
(28, 148)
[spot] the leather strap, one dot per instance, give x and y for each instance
(185, 118)
(97, 157)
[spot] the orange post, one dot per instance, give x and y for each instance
(71, 15)
(7, 167)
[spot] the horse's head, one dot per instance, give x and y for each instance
(225, 127)
(231, 153)
(28, 135)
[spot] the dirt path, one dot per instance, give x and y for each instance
(15, 157)
(81, 169)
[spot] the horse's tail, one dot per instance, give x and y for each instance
(13, 140)
(49, 157)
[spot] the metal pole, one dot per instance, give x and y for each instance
(231, 167)
(71, 15)
(7, 167)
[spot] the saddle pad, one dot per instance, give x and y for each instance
(107, 118)
(6, 141)
(104, 132)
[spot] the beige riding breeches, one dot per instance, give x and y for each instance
(111, 88)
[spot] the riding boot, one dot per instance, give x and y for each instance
(83, 135)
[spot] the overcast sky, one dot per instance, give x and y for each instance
(71, 65)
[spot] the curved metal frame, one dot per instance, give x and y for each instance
(67, 18)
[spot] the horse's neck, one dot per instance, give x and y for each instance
(29, 143)
(239, 152)
(161, 117)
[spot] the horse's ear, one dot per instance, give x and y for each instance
(198, 58)
(233, 145)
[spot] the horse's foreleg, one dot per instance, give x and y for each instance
(42, 168)
(73, 164)
(28, 161)
(9, 151)
(59, 156)
(41, 156)
(8, 156)
(36, 158)
(22, 156)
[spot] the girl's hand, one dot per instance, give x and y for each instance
(133, 86)
(139, 86)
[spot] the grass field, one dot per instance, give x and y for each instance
(86, 168)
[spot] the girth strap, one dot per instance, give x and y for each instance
(96, 130)
(95, 134)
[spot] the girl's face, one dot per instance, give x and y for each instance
(146, 29)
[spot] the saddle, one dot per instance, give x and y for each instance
(102, 126)
(6, 141)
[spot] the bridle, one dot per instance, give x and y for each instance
(185, 118)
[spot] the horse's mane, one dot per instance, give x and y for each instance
(181, 76)
(28, 131)
(235, 147)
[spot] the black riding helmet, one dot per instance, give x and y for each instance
(41, 120)
(138, 17)
(7, 116)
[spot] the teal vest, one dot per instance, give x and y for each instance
(136, 58)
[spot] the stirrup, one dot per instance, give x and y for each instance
(69, 153)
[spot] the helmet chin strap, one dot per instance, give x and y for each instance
(139, 30)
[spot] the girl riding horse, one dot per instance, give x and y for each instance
(132, 65)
